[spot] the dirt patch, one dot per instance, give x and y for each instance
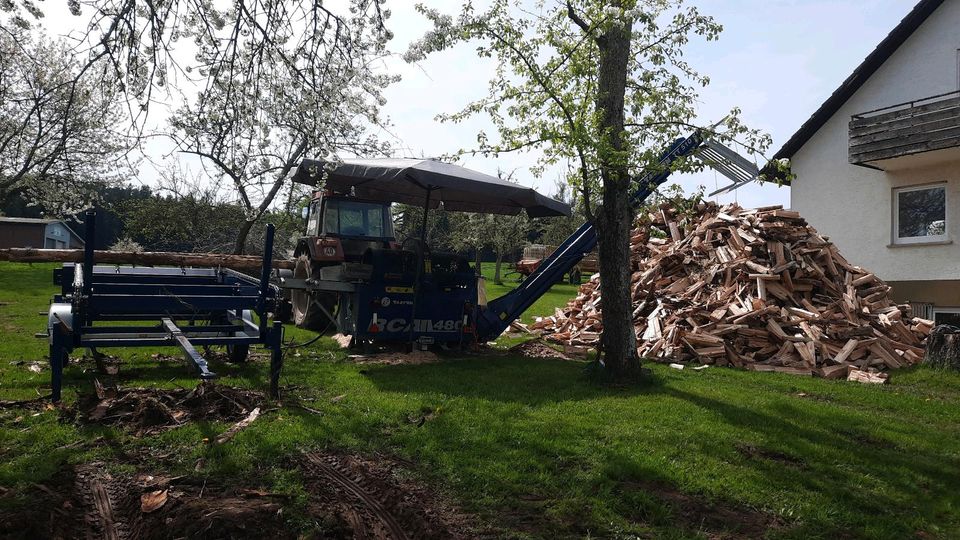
(90, 502)
(211, 511)
(33, 367)
(48, 513)
(711, 519)
(40, 403)
(755, 452)
(371, 500)
(535, 348)
(151, 410)
(347, 497)
(868, 440)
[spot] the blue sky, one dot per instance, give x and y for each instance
(778, 60)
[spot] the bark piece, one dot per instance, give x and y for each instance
(236, 428)
(153, 501)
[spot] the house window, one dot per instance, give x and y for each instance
(946, 315)
(920, 214)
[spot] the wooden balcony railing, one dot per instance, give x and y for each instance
(923, 125)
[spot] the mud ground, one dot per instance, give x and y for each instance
(347, 497)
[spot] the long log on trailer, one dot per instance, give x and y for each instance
(240, 263)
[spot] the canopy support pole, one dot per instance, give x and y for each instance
(423, 225)
(420, 261)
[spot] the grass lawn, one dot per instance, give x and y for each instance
(532, 447)
(557, 296)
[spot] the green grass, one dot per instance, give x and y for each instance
(557, 296)
(536, 449)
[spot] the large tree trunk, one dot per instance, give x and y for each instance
(615, 216)
(292, 161)
(619, 339)
(241, 242)
(943, 347)
(496, 272)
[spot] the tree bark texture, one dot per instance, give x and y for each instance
(241, 263)
(496, 272)
(242, 233)
(943, 347)
(615, 215)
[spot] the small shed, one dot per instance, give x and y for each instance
(17, 232)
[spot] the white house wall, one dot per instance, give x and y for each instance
(853, 205)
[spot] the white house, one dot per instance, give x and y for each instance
(878, 164)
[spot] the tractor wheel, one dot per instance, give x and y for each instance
(306, 313)
(237, 354)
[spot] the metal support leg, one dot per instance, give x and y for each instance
(276, 358)
(188, 350)
(59, 350)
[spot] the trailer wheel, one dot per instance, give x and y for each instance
(306, 313)
(237, 354)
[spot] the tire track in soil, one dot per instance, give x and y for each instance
(100, 505)
(329, 468)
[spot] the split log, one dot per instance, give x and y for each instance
(859, 375)
(943, 347)
(834, 372)
(241, 263)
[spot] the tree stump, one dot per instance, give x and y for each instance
(943, 347)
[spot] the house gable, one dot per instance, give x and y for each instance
(873, 62)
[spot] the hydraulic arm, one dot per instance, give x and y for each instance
(500, 312)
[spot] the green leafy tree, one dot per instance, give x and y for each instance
(470, 234)
(600, 86)
(507, 235)
(554, 231)
(442, 226)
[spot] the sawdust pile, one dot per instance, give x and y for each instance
(396, 358)
(757, 289)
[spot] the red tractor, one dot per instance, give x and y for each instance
(340, 230)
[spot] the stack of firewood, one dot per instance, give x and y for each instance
(756, 289)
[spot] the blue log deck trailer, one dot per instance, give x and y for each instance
(351, 274)
(181, 307)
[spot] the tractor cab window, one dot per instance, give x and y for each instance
(313, 219)
(355, 218)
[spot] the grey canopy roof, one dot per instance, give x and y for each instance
(408, 181)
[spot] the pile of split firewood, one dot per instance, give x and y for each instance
(756, 289)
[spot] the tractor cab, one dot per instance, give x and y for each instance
(341, 227)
